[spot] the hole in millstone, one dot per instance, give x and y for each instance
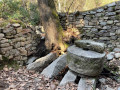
(77, 79)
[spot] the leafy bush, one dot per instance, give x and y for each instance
(15, 9)
(35, 17)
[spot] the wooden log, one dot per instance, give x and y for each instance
(41, 62)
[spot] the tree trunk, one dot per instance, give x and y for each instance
(51, 24)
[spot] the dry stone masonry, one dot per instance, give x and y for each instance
(17, 43)
(101, 24)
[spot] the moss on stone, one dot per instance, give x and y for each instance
(17, 21)
(4, 23)
(118, 17)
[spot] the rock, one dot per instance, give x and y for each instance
(85, 62)
(92, 12)
(118, 32)
(97, 89)
(103, 23)
(104, 38)
(30, 60)
(17, 45)
(94, 30)
(108, 88)
(105, 18)
(16, 25)
(90, 34)
(118, 88)
(100, 10)
(28, 46)
(110, 13)
(110, 22)
(4, 45)
(19, 29)
(99, 14)
(111, 4)
(1, 36)
(15, 52)
(3, 50)
(69, 77)
(112, 34)
(8, 31)
(23, 51)
(4, 41)
(116, 50)
(117, 55)
(102, 80)
(0, 57)
(91, 45)
(55, 67)
(110, 56)
(24, 58)
(118, 24)
(87, 84)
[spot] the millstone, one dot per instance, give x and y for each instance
(85, 62)
(91, 45)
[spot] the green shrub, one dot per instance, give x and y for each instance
(14, 9)
(35, 17)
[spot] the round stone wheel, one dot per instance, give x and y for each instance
(85, 62)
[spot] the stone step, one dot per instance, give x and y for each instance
(55, 67)
(69, 77)
(87, 84)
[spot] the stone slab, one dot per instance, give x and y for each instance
(69, 77)
(87, 84)
(55, 67)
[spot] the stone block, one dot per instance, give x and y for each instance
(16, 25)
(4, 41)
(110, 22)
(4, 45)
(117, 55)
(118, 32)
(110, 56)
(1, 57)
(23, 51)
(6, 49)
(19, 29)
(1, 35)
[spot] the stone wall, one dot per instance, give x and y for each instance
(101, 24)
(17, 43)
